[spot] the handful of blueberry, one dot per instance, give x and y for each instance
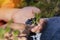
(30, 21)
(34, 20)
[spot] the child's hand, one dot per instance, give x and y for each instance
(39, 27)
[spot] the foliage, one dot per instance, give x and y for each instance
(48, 7)
(3, 31)
(20, 3)
(15, 32)
(36, 19)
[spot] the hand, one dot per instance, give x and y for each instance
(26, 13)
(39, 27)
(18, 15)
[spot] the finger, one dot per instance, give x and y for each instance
(34, 9)
(41, 21)
(26, 13)
(34, 29)
(22, 15)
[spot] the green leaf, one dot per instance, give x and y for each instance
(11, 21)
(8, 26)
(7, 29)
(2, 32)
(15, 32)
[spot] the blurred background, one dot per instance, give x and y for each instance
(49, 8)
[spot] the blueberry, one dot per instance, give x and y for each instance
(29, 21)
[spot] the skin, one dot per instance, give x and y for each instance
(25, 14)
(6, 14)
(39, 27)
(21, 27)
(21, 15)
(18, 15)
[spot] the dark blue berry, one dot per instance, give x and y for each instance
(29, 21)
